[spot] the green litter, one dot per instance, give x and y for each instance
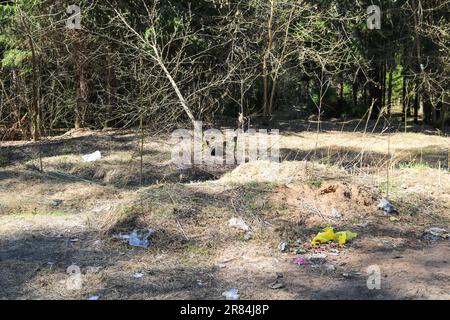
(328, 235)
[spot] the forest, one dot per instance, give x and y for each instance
(170, 61)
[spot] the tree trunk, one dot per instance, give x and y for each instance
(376, 92)
(383, 85)
(266, 110)
(404, 107)
(416, 104)
(35, 98)
(444, 111)
(341, 97)
(355, 94)
(427, 108)
(82, 99)
(110, 91)
(390, 94)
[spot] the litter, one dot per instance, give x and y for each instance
(331, 267)
(282, 246)
(94, 298)
(138, 238)
(393, 219)
(138, 275)
(140, 241)
(277, 284)
(334, 252)
(301, 261)
(238, 223)
(317, 258)
(435, 234)
(351, 274)
(328, 235)
(362, 224)
(336, 214)
(56, 202)
(248, 236)
(231, 294)
(438, 232)
(386, 206)
(92, 157)
(200, 283)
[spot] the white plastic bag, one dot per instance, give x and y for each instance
(139, 241)
(232, 294)
(238, 223)
(92, 157)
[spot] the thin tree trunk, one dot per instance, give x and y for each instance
(390, 94)
(341, 96)
(416, 104)
(35, 98)
(111, 82)
(82, 99)
(266, 56)
(404, 108)
(355, 93)
(279, 65)
(383, 85)
(444, 111)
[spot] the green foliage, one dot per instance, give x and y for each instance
(314, 182)
(414, 165)
(6, 11)
(15, 58)
(149, 33)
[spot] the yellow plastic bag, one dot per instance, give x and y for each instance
(345, 236)
(324, 237)
(328, 235)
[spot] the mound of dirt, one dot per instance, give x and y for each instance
(284, 172)
(338, 201)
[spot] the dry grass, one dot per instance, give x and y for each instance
(189, 211)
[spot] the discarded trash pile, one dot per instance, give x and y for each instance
(324, 244)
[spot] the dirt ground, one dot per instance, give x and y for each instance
(336, 178)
